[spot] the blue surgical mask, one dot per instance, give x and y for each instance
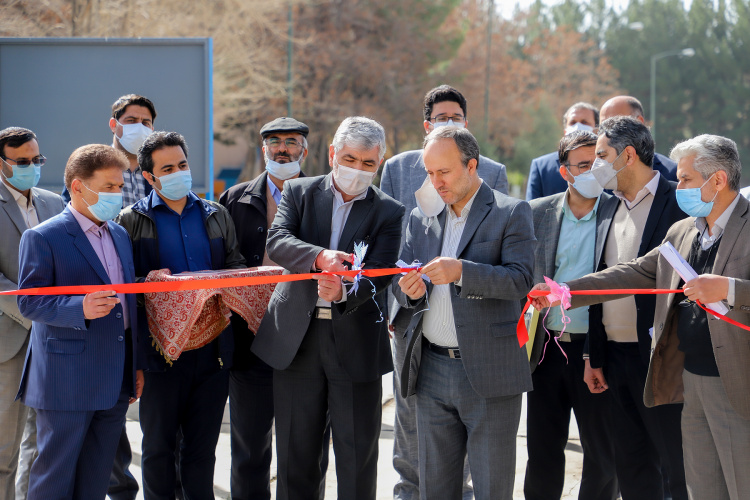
(24, 177)
(108, 206)
(691, 203)
(133, 136)
(175, 186)
(587, 185)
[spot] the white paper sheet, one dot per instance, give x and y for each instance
(686, 272)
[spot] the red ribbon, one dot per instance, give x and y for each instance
(523, 334)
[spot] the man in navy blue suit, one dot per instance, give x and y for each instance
(80, 370)
(544, 173)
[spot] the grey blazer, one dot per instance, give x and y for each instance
(497, 254)
(548, 214)
(14, 328)
(403, 174)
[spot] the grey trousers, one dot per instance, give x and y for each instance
(716, 442)
(452, 420)
(12, 421)
(29, 452)
(405, 443)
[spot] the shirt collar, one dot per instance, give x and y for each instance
(569, 213)
(650, 188)
(18, 196)
(467, 208)
(719, 225)
(87, 225)
(157, 200)
(275, 192)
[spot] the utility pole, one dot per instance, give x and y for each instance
(289, 65)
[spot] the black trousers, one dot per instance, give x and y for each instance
(122, 484)
(189, 397)
(313, 386)
(558, 389)
(251, 410)
(647, 440)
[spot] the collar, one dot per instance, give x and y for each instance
(467, 208)
(719, 225)
(87, 225)
(340, 199)
(275, 192)
(568, 213)
(650, 188)
(18, 196)
(192, 198)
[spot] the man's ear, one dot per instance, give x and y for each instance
(112, 125)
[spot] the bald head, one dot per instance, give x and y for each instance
(622, 105)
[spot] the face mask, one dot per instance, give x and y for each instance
(428, 200)
(578, 126)
(24, 177)
(449, 123)
(690, 201)
(133, 135)
(605, 172)
(175, 186)
(282, 171)
(587, 185)
(351, 180)
(108, 206)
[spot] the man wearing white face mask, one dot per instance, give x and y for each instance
(172, 228)
(544, 178)
(329, 347)
(567, 225)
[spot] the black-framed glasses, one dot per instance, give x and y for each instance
(275, 142)
(583, 166)
(37, 160)
(444, 118)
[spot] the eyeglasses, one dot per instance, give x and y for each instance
(443, 118)
(39, 160)
(275, 142)
(582, 167)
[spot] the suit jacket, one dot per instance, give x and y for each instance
(548, 216)
(300, 231)
(545, 179)
(664, 212)
(14, 328)
(403, 174)
(72, 364)
(497, 254)
(730, 343)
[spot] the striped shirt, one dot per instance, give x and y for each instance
(134, 188)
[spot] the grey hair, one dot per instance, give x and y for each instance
(361, 133)
(712, 153)
(624, 131)
(465, 142)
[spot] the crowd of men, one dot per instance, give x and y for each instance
(658, 385)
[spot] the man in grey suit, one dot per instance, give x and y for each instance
(463, 359)
(567, 224)
(22, 206)
(695, 357)
(328, 342)
(403, 175)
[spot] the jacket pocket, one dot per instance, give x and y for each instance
(503, 329)
(65, 346)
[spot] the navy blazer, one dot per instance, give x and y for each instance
(664, 212)
(72, 364)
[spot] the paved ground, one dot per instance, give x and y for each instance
(386, 475)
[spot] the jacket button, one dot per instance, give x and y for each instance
(256, 257)
(261, 229)
(120, 338)
(118, 315)
(309, 314)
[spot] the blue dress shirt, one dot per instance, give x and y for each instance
(183, 240)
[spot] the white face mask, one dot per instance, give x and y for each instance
(429, 201)
(605, 172)
(351, 180)
(133, 135)
(578, 126)
(282, 171)
(449, 123)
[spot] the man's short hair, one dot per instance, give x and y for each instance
(581, 105)
(86, 160)
(573, 141)
(712, 153)
(361, 133)
(442, 93)
(156, 141)
(119, 106)
(465, 142)
(624, 131)
(14, 137)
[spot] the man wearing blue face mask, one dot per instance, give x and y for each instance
(697, 358)
(566, 225)
(172, 228)
(22, 206)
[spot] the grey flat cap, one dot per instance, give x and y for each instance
(284, 124)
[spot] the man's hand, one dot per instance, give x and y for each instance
(540, 303)
(707, 288)
(413, 285)
(329, 287)
(139, 380)
(594, 378)
(98, 304)
(443, 270)
(332, 260)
